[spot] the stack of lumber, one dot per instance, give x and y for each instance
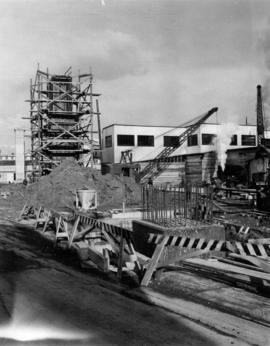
(248, 272)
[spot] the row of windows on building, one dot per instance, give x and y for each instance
(173, 141)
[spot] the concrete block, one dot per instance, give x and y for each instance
(142, 229)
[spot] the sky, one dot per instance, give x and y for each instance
(155, 62)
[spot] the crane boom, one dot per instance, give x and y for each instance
(159, 163)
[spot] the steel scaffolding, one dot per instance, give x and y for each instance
(65, 120)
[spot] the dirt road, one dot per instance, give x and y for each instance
(47, 301)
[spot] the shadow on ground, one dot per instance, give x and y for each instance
(46, 292)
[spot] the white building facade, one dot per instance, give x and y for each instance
(8, 168)
(146, 142)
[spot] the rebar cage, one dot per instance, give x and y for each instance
(173, 205)
(64, 120)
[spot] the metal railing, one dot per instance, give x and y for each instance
(174, 205)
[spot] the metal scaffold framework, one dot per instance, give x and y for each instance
(65, 120)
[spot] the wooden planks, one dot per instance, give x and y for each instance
(229, 268)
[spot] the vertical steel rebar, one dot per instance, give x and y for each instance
(174, 203)
(163, 202)
(160, 203)
(186, 205)
(170, 198)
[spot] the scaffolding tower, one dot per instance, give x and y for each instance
(65, 120)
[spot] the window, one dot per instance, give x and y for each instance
(145, 141)
(108, 141)
(171, 141)
(234, 140)
(207, 138)
(192, 140)
(248, 140)
(125, 140)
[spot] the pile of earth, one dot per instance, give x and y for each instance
(57, 190)
(11, 200)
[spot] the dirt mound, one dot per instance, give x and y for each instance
(57, 190)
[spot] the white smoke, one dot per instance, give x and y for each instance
(223, 141)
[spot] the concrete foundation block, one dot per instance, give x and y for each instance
(142, 229)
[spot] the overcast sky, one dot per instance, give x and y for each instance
(157, 62)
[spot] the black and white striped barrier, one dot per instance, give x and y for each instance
(111, 229)
(96, 240)
(245, 249)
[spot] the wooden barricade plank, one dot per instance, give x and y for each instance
(182, 257)
(22, 212)
(37, 214)
(98, 259)
(257, 262)
(47, 220)
(120, 258)
(74, 231)
(154, 261)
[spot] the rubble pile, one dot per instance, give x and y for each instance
(57, 190)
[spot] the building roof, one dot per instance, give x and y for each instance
(129, 125)
(170, 126)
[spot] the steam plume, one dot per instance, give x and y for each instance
(223, 141)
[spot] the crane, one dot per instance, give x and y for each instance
(160, 162)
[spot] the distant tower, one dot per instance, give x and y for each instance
(260, 117)
(19, 154)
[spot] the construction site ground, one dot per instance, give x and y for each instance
(47, 294)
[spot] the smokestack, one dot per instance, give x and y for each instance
(20, 152)
(260, 118)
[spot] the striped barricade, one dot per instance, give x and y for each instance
(97, 239)
(113, 230)
(246, 249)
(117, 237)
(200, 246)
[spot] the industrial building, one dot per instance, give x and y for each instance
(196, 159)
(147, 141)
(8, 168)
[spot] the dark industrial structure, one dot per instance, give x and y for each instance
(65, 120)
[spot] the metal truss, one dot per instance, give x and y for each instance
(63, 120)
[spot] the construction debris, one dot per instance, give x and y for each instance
(58, 189)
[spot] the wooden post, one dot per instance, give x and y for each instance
(47, 221)
(74, 231)
(37, 217)
(133, 254)
(120, 258)
(154, 262)
(22, 212)
(57, 229)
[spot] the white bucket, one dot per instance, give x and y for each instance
(86, 199)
